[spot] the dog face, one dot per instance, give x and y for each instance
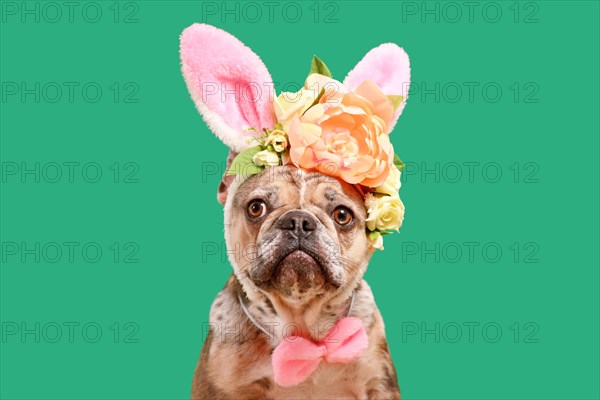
(297, 234)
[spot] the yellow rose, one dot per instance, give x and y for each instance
(391, 185)
(288, 105)
(384, 212)
(266, 158)
(278, 140)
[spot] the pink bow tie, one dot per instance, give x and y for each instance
(296, 358)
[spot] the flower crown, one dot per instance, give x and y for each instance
(338, 129)
(338, 132)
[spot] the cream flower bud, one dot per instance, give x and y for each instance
(288, 105)
(376, 243)
(278, 140)
(391, 185)
(266, 158)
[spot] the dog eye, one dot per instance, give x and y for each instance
(342, 215)
(257, 208)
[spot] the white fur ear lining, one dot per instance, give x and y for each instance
(232, 138)
(243, 88)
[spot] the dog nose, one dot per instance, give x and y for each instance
(301, 223)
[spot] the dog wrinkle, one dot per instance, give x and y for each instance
(302, 181)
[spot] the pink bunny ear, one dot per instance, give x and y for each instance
(388, 66)
(230, 85)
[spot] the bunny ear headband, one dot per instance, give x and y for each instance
(339, 129)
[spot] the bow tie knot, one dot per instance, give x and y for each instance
(296, 358)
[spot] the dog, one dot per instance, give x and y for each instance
(297, 244)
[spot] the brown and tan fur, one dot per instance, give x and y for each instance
(235, 362)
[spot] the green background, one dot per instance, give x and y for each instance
(546, 203)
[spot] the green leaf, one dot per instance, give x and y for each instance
(242, 164)
(396, 100)
(398, 162)
(317, 99)
(317, 66)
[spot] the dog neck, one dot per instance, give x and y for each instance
(278, 318)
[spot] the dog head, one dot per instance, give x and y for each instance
(289, 231)
(299, 234)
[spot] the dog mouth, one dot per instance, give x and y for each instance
(297, 268)
(298, 258)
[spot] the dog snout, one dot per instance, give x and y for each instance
(298, 222)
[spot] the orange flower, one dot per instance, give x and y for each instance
(345, 134)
